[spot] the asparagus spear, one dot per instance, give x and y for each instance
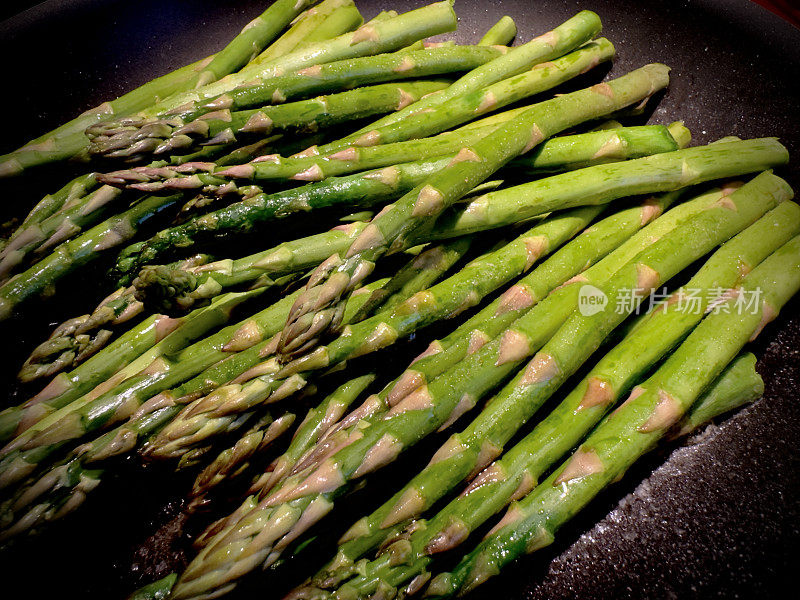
(566, 37)
(363, 413)
(224, 127)
(204, 417)
(207, 416)
(308, 432)
(340, 16)
(515, 474)
(136, 349)
(337, 157)
(535, 195)
(633, 428)
(519, 299)
(472, 165)
(588, 248)
(69, 255)
(334, 77)
(123, 400)
(450, 297)
(419, 274)
(503, 33)
(42, 277)
(64, 486)
(68, 140)
(312, 493)
(383, 36)
(79, 338)
(52, 203)
(739, 384)
(345, 17)
(368, 188)
(465, 106)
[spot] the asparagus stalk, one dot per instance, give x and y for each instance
(521, 397)
(371, 187)
(68, 140)
(419, 274)
(231, 526)
(70, 255)
(634, 428)
(338, 157)
(59, 227)
(312, 493)
(739, 384)
(314, 425)
(515, 474)
(375, 38)
(135, 350)
(52, 203)
(64, 486)
(450, 297)
(207, 416)
(566, 37)
(120, 402)
(333, 77)
(501, 33)
(42, 277)
(465, 106)
(79, 338)
(334, 278)
(340, 16)
(611, 234)
(587, 249)
(223, 127)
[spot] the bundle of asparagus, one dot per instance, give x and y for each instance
(492, 226)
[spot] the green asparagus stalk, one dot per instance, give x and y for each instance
(634, 428)
(612, 234)
(521, 397)
(333, 77)
(42, 277)
(88, 413)
(338, 157)
(372, 187)
(346, 18)
(233, 525)
(516, 473)
(314, 425)
(312, 494)
(566, 37)
(223, 127)
(79, 338)
(68, 140)
(588, 248)
(52, 203)
(501, 33)
(739, 384)
(449, 297)
(135, 350)
(419, 274)
(64, 486)
(59, 227)
(334, 278)
(383, 36)
(340, 16)
(465, 106)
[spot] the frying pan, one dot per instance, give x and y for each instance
(717, 516)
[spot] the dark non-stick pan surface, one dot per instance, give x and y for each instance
(716, 517)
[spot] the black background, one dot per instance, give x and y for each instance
(720, 518)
